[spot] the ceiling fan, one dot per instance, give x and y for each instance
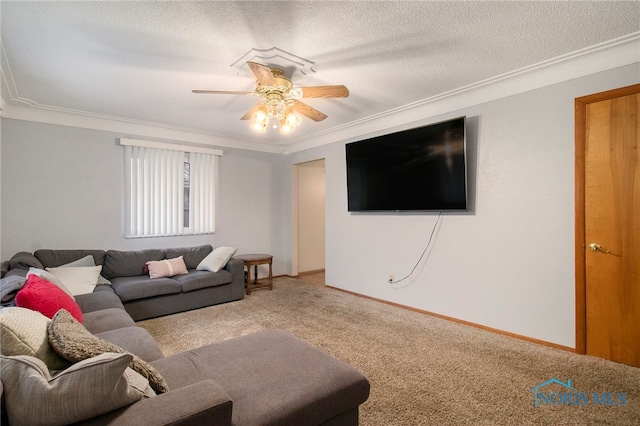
(280, 99)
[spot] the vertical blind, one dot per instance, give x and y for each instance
(202, 201)
(155, 192)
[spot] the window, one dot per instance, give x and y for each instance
(169, 189)
(186, 179)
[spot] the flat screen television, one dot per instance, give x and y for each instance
(419, 169)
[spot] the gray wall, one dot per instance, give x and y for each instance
(62, 187)
(508, 263)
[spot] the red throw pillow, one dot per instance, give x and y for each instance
(41, 295)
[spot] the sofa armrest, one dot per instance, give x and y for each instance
(236, 268)
(24, 260)
(201, 403)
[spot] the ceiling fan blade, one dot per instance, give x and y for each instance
(249, 114)
(262, 73)
(222, 92)
(339, 91)
(308, 111)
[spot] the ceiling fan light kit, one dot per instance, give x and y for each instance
(260, 120)
(281, 101)
(285, 118)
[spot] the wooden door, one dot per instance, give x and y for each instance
(610, 243)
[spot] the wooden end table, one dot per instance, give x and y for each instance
(254, 260)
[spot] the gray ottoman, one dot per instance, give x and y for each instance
(273, 378)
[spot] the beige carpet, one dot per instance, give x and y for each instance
(423, 370)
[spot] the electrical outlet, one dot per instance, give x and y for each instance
(391, 278)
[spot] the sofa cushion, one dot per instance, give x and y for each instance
(79, 280)
(143, 287)
(135, 340)
(272, 377)
(75, 343)
(201, 279)
(47, 298)
(166, 268)
(58, 257)
(217, 259)
(103, 297)
(24, 332)
(128, 263)
(107, 319)
(82, 391)
(192, 255)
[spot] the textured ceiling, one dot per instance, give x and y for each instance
(137, 62)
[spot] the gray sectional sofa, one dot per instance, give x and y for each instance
(266, 378)
(141, 296)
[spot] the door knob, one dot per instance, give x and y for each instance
(597, 247)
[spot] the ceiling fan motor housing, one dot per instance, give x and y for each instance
(279, 91)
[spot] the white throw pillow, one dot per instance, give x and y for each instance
(78, 279)
(216, 259)
(88, 260)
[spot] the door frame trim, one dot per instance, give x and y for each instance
(295, 214)
(580, 232)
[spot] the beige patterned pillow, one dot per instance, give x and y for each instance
(75, 343)
(84, 390)
(24, 332)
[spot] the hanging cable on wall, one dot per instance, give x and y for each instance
(436, 226)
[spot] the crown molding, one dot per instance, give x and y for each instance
(612, 54)
(132, 128)
(601, 57)
(19, 108)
